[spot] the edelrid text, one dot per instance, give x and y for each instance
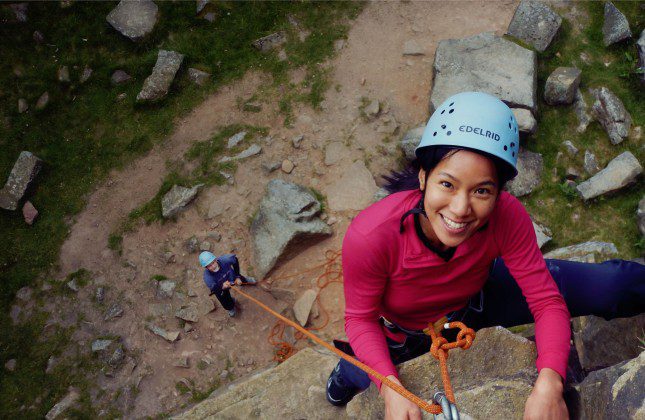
(480, 131)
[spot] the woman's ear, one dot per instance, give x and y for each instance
(422, 179)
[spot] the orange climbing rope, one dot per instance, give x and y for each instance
(439, 349)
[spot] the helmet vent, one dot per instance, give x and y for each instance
(449, 133)
(434, 134)
(512, 144)
(451, 104)
(505, 148)
(443, 126)
(513, 154)
(509, 126)
(451, 111)
(443, 111)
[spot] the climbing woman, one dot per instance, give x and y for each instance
(449, 242)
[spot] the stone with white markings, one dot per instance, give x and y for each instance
(156, 86)
(235, 139)
(485, 63)
(615, 27)
(177, 199)
(561, 86)
(580, 109)
(592, 251)
(134, 19)
(612, 115)
(535, 23)
(115, 311)
(591, 163)
(165, 289)
(22, 176)
(198, 77)
(529, 172)
(269, 42)
(619, 173)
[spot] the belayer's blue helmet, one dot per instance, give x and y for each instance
(206, 258)
(477, 121)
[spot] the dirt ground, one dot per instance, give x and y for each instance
(370, 65)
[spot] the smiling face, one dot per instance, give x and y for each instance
(460, 195)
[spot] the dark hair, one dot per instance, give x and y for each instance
(428, 158)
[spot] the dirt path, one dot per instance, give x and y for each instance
(370, 65)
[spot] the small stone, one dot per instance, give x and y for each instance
(38, 37)
(61, 406)
(252, 106)
(170, 336)
(198, 77)
(121, 96)
(591, 164)
(297, 140)
(282, 55)
(216, 236)
(223, 374)
(269, 42)
(270, 167)
(205, 246)
(22, 105)
(571, 149)
(63, 74)
(287, 166)
(115, 311)
(120, 77)
(29, 213)
(117, 357)
(339, 44)
(623, 170)
(526, 122)
(51, 364)
(572, 173)
(100, 345)
(100, 294)
(188, 327)
(165, 289)
(561, 86)
(372, 110)
(192, 245)
(331, 221)
(168, 257)
(73, 286)
(24, 294)
(42, 102)
(11, 365)
(85, 76)
(182, 362)
(188, 313)
(236, 139)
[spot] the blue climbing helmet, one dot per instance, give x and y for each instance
(206, 258)
(477, 121)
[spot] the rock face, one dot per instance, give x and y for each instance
(411, 141)
(612, 115)
(499, 363)
(615, 392)
(485, 63)
(298, 384)
(134, 19)
(561, 86)
(615, 28)
(603, 343)
(287, 217)
(176, 199)
(592, 251)
(156, 86)
(529, 172)
(620, 172)
(534, 23)
(22, 175)
(354, 190)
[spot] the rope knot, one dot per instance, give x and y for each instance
(437, 345)
(465, 338)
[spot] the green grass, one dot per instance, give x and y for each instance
(84, 132)
(158, 277)
(608, 218)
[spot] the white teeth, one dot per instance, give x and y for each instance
(453, 225)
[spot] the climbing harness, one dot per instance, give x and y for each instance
(444, 403)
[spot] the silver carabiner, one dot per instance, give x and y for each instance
(449, 410)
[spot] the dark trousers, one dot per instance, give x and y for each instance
(613, 289)
(224, 295)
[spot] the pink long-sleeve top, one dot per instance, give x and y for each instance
(392, 274)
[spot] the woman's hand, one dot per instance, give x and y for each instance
(398, 407)
(545, 401)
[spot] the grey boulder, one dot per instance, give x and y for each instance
(611, 114)
(592, 251)
(615, 392)
(529, 173)
(561, 86)
(580, 109)
(22, 175)
(134, 19)
(619, 173)
(590, 163)
(615, 28)
(156, 86)
(535, 23)
(526, 122)
(177, 199)
(288, 217)
(485, 63)
(602, 343)
(498, 363)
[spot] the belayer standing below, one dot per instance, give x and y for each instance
(449, 242)
(220, 274)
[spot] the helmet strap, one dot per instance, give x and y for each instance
(416, 210)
